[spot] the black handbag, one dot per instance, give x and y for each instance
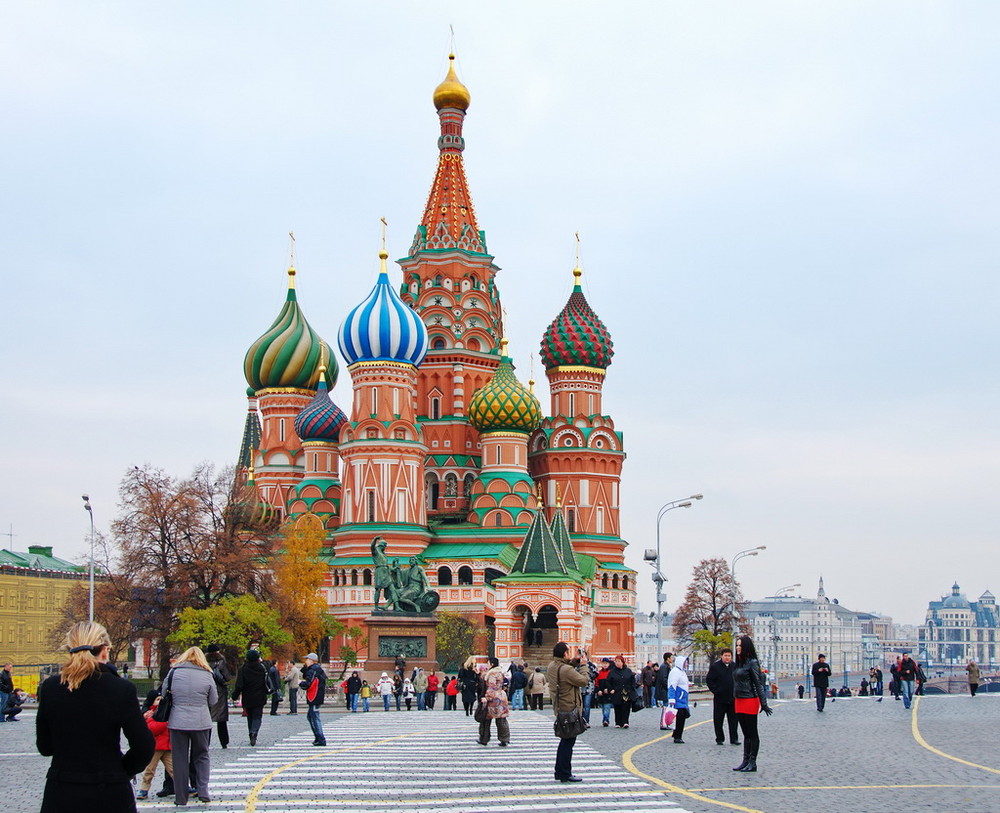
(162, 712)
(568, 724)
(481, 714)
(638, 704)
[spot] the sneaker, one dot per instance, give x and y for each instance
(605, 724)
(142, 794)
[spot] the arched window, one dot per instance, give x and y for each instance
(614, 582)
(444, 576)
(435, 408)
(498, 519)
(571, 520)
(336, 578)
(437, 281)
(624, 582)
(465, 575)
(450, 485)
(438, 344)
(604, 580)
(371, 508)
(354, 577)
(467, 485)
(473, 344)
(366, 576)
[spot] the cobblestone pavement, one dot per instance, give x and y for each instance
(857, 757)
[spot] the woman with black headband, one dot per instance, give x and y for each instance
(82, 713)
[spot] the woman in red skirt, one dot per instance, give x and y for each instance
(751, 699)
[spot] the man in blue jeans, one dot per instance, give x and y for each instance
(6, 686)
(314, 684)
(906, 675)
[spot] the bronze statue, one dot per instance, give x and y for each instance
(404, 593)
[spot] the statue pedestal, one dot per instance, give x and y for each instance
(412, 636)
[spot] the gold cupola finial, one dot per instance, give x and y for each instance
(577, 271)
(503, 346)
(291, 260)
(451, 92)
(383, 255)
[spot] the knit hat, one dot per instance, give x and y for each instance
(253, 656)
(211, 648)
(605, 660)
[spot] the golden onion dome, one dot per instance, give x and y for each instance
(504, 404)
(451, 92)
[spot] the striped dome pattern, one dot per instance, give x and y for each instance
(577, 336)
(320, 419)
(504, 405)
(383, 328)
(290, 353)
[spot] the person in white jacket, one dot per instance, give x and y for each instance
(384, 688)
(677, 696)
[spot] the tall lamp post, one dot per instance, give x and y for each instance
(732, 573)
(653, 557)
(775, 638)
(90, 511)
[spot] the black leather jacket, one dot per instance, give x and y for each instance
(749, 682)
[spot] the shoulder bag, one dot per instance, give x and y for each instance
(162, 713)
(568, 724)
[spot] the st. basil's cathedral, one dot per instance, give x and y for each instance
(443, 451)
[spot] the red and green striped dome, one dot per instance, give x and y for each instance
(504, 404)
(577, 336)
(290, 353)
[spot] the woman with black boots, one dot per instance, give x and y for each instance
(751, 699)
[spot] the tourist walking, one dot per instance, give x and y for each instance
(621, 682)
(603, 692)
(677, 697)
(82, 713)
(907, 675)
(397, 689)
(222, 674)
(273, 686)
(293, 677)
(588, 691)
(194, 692)
(518, 683)
(467, 685)
(420, 684)
(366, 696)
(161, 735)
(821, 680)
(663, 679)
(6, 684)
(536, 689)
(648, 680)
(451, 694)
(251, 684)
(497, 707)
(314, 684)
(720, 683)
(384, 689)
(750, 699)
(973, 672)
(565, 679)
(408, 693)
(432, 689)
(353, 691)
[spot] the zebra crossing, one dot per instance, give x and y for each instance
(423, 764)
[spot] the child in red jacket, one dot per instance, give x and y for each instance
(161, 754)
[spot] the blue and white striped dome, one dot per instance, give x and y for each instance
(383, 328)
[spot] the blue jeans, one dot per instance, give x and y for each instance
(317, 727)
(906, 690)
(352, 701)
(421, 700)
(3, 702)
(517, 700)
(385, 700)
(587, 700)
(606, 712)
(399, 699)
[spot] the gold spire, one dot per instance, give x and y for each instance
(291, 260)
(577, 271)
(503, 347)
(558, 495)
(451, 92)
(383, 255)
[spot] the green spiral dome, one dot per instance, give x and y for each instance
(290, 353)
(504, 405)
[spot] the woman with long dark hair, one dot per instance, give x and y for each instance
(751, 699)
(621, 682)
(82, 713)
(251, 682)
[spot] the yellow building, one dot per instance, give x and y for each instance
(34, 587)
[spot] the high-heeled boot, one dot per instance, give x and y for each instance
(751, 766)
(746, 756)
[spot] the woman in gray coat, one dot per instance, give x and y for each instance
(193, 689)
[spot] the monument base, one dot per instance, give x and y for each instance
(412, 636)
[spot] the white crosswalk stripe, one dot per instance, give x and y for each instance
(425, 764)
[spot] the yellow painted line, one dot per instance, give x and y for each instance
(840, 787)
(630, 766)
(919, 738)
(252, 797)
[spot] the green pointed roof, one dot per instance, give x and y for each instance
(539, 552)
(251, 436)
(560, 533)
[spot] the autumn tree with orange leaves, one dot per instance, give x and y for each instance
(298, 576)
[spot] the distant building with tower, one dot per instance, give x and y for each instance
(957, 630)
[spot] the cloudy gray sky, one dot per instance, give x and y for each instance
(788, 215)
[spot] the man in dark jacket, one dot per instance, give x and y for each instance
(6, 683)
(314, 684)
(273, 686)
(907, 674)
(662, 676)
(720, 684)
(821, 680)
(518, 683)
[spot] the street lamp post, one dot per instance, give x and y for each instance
(653, 557)
(90, 511)
(732, 575)
(775, 638)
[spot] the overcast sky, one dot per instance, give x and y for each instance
(788, 214)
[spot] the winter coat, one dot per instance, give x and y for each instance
(452, 688)
(662, 681)
(749, 682)
(251, 683)
(293, 677)
(432, 683)
(518, 680)
(81, 730)
(678, 685)
(467, 685)
(973, 671)
(194, 692)
(821, 675)
(384, 685)
(907, 669)
(621, 682)
(353, 684)
(420, 682)
(223, 675)
(497, 706)
(6, 682)
(160, 732)
(720, 681)
(565, 681)
(537, 683)
(314, 672)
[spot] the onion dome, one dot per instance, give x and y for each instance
(383, 328)
(504, 404)
(577, 336)
(290, 352)
(249, 512)
(451, 92)
(320, 419)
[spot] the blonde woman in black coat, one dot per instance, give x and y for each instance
(82, 713)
